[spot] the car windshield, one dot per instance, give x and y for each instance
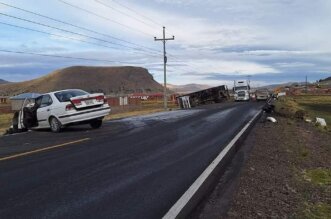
(64, 96)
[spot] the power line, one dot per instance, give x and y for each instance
(68, 31)
(105, 18)
(121, 12)
(57, 35)
(57, 56)
(178, 59)
(138, 13)
(76, 26)
(66, 37)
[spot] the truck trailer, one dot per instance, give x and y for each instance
(207, 96)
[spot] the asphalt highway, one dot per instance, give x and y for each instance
(130, 168)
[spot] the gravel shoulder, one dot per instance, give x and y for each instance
(284, 172)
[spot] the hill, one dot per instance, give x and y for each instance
(326, 79)
(3, 81)
(325, 82)
(188, 88)
(109, 80)
(288, 84)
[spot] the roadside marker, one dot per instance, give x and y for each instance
(42, 149)
(176, 209)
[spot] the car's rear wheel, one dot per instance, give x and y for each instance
(55, 125)
(95, 124)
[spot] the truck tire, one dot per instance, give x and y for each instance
(55, 125)
(95, 124)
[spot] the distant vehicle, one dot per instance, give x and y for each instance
(262, 95)
(59, 109)
(207, 96)
(280, 94)
(241, 91)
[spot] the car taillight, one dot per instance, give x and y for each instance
(100, 99)
(69, 107)
(77, 102)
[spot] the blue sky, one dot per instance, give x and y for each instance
(217, 41)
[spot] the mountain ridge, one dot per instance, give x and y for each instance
(109, 80)
(4, 81)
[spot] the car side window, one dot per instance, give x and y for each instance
(46, 101)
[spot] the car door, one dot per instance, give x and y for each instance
(44, 111)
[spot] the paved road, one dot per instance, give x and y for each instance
(131, 168)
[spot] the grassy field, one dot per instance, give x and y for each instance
(308, 106)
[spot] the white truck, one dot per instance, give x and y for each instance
(241, 91)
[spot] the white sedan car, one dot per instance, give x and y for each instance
(59, 109)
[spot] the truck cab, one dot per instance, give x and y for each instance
(241, 91)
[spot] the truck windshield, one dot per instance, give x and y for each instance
(64, 96)
(241, 88)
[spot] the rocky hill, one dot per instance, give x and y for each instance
(3, 81)
(109, 80)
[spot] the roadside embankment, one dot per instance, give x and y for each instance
(286, 172)
(287, 175)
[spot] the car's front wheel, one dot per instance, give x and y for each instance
(55, 125)
(95, 124)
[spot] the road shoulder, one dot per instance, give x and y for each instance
(287, 174)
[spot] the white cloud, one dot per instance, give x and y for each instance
(280, 35)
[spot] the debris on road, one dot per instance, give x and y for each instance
(308, 120)
(271, 119)
(268, 108)
(321, 122)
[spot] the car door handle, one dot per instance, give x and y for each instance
(48, 110)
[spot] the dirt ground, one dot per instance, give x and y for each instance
(287, 174)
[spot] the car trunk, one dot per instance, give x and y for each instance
(88, 101)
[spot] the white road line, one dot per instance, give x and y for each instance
(186, 197)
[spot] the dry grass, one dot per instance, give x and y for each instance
(146, 107)
(311, 106)
(5, 122)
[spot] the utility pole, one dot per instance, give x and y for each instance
(306, 84)
(164, 40)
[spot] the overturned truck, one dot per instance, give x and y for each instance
(207, 96)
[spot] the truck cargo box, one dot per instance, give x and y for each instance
(207, 96)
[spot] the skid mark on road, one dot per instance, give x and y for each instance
(42, 149)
